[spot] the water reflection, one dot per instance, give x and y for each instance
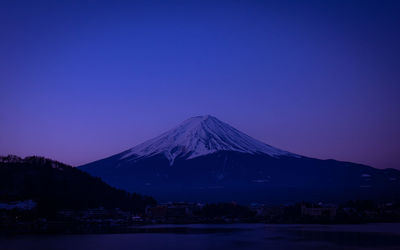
(239, 236)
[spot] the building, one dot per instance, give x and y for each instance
(318, 210)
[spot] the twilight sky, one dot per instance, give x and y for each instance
(82, 80)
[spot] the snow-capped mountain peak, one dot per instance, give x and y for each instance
(201, 135)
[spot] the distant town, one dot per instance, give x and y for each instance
(21, 217)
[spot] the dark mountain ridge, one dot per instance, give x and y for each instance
(54, 185)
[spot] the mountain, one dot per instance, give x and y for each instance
(205, 159)
(198, 136)
(54, 185)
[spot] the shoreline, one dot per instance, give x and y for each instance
(182, 228)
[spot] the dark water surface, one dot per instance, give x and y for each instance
(236, 236)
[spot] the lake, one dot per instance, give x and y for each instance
(233, 236)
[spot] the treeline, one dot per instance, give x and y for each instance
(54, 186)
(354, 211)
(229, 210)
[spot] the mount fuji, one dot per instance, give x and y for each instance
(205, 159)
(199, 136)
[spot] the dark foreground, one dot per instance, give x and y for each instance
(233, 236)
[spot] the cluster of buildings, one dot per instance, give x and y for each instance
(98, 215)
(174, 212)
(319, 210)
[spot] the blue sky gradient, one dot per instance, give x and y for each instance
(81, 80)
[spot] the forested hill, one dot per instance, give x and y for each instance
(54, 185)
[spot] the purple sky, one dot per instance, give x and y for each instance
(80, 81)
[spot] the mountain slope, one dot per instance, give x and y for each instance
(204, 159)
(197, 136)
(54, 186)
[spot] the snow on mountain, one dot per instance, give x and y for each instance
(198, 136)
